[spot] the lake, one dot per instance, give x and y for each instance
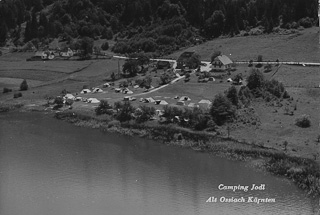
(49, 167)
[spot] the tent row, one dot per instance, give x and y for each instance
(151, 100)
(94, 90)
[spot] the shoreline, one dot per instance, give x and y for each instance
(304, 172)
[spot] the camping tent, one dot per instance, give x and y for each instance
(229, 80)
(181, 103)
(117, 90)
(185, 98)
(106, 85)
(163, 102)
(193, 105)
(84, 91)
(127, 92)
(150, 100)
(97, 90)
(203, 101)
(93, 100)
(78, 98)
(69, 96)
(126, 98)
(159, 112)
(157, 102)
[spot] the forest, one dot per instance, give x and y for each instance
(155, 26)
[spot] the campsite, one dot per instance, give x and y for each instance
(48, 79)
(268, 125)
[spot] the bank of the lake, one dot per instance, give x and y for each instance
(55, 168)
(303, 172)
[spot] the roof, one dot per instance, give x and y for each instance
(224, 60)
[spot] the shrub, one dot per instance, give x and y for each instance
(58, 100)
(145, 113)
(244, 95)
(105, 46)
(24, 85)
(170, 112)
(104, 108)
(275, 87)
(17, 95)
(221, 109)
(303, 121)
(6, 90)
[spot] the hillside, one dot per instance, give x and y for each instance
(158, 27)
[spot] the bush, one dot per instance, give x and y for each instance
(24, 85)
(275, 87)
(58, 100)
(303, 121)
(105, 46)
(145, 113)
(17, 95)
(6, 90)
(104, 108)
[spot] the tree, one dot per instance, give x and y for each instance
(255, 79)
(214, 55)
(145, 113)
(24, 85)
(232, 95)
(165, 79)
(194, 61)
(86, 45)
(97, 51)
(215, 24)
(130, 68)
(113, 76)
(3, 32)
(104, 108)
(105, 46)
(221, 109)
(125, 111)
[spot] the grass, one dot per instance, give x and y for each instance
(301, 46)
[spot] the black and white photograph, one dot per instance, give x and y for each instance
(159, 107)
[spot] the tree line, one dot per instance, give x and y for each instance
(149, 26)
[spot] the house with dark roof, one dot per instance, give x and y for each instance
(183, 59)
(221, 62)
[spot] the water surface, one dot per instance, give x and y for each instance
(49, 167)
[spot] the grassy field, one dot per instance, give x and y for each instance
(300, 46)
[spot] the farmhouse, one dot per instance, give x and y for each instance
(44, 55)
(183, 59)
(222, 62)
(68, 53)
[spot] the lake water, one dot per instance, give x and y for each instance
(49, 167)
